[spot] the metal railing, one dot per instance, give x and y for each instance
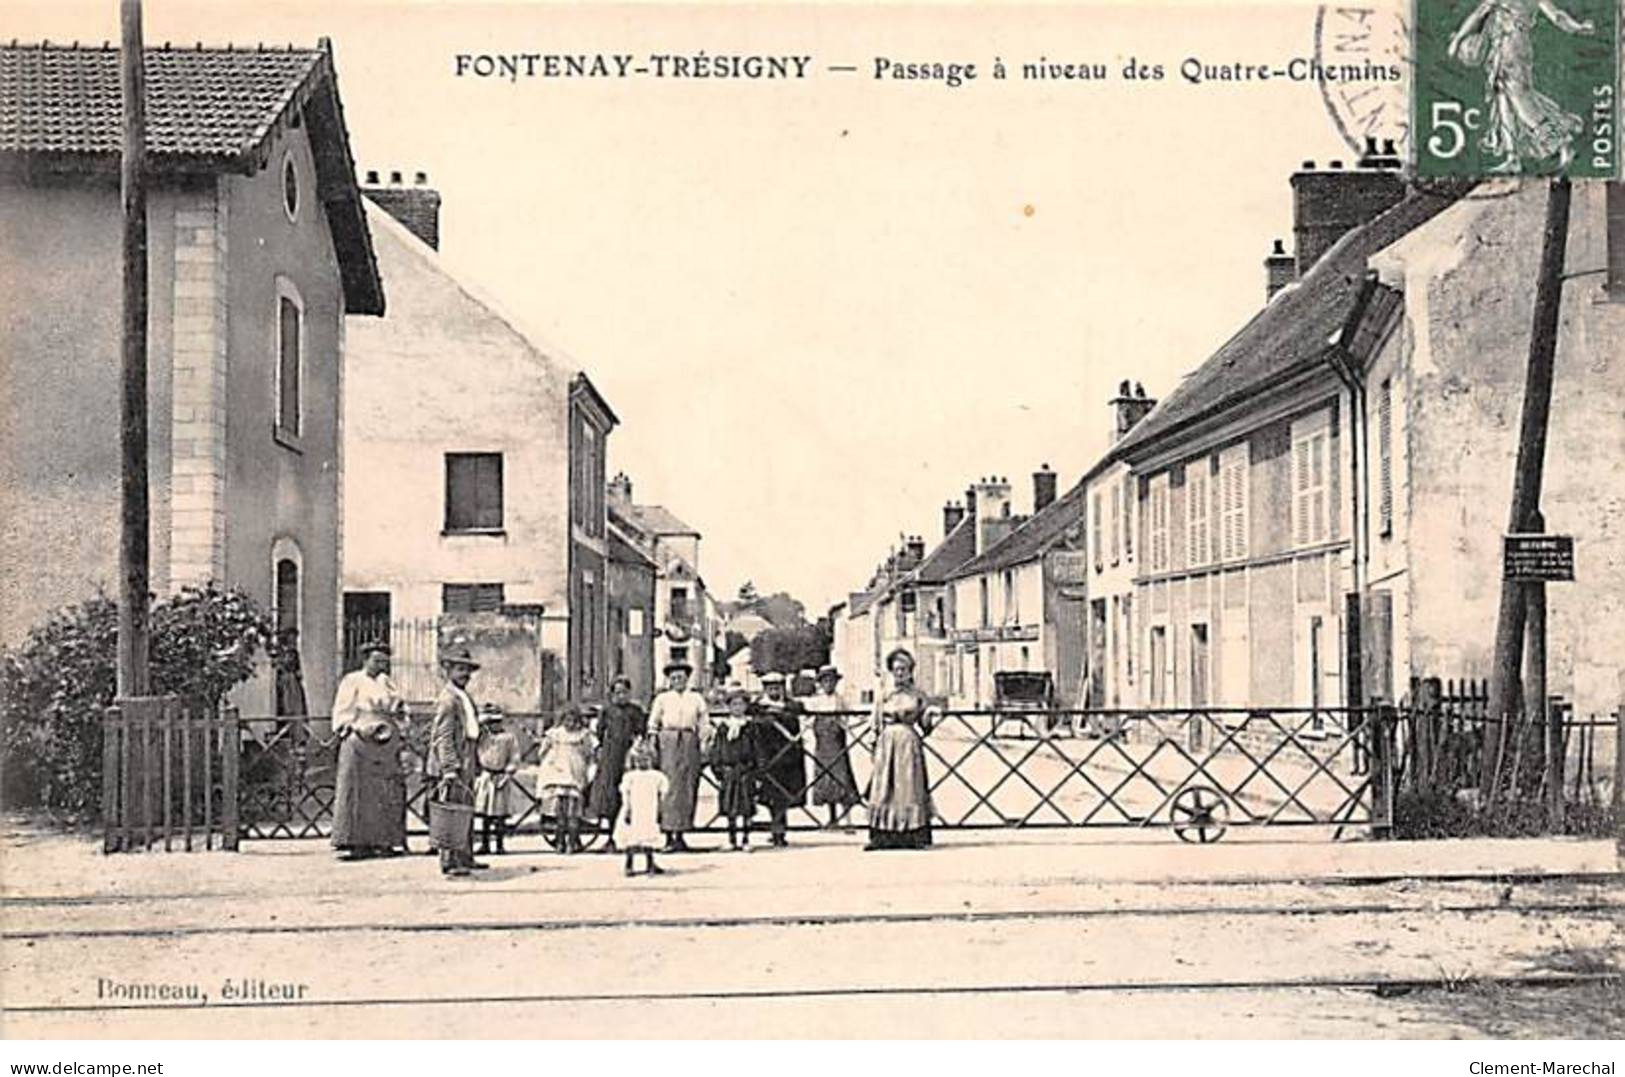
(1195, 771)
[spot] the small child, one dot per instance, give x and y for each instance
(642, 788)
(498, 754)
(734, 763)
(564, 763)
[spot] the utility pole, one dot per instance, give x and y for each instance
(1526, 481)
(133, 542)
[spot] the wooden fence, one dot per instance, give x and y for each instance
(169, 777)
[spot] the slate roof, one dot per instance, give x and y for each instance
(1294, 331)
(207, 110)
(656, 520)
(958, 547)
(1041, 531)
(626, 551)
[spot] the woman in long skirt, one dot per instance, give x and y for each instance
(620, 726)
(899, 791)
(369, 800)
(833, 783)
(678, 721)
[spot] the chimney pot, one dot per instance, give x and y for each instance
(421, 178)
(1334, 165)
(372, 177)
(1308, 166)
(1278, 248)
(395, 178)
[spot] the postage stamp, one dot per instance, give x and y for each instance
(1516, 87)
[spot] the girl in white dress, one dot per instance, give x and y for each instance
(638, 828)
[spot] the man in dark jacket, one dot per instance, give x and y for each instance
(781, 773)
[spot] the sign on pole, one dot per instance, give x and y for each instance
(1537, 558)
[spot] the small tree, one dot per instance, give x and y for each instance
(204, 642)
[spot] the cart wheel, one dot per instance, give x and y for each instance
(1200, 814)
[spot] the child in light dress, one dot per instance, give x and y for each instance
(564, 769)
(638, 828)
(498, 754)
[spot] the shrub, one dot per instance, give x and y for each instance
(55, 686)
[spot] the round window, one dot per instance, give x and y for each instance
(290, 187)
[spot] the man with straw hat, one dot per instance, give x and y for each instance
(450, 764)
(678, 722)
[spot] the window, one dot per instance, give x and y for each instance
(1094, 532)
(473, 491)
(1310, 448)
(470, 597)
(634, 622)
(287, 595)
(1196, 513)
(987, 612)
(1158, 531)
(1012, 613)
(679, 604)
(1128, 638)
(1233, 503)
(1158, 669)
(1117, 522)
(290, 187)
(587, 477)
(589, 628)
(290, 351)
(1128, 517)
(1385, 459)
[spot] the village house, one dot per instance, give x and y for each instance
(1242, 474)
(916, 609)
(684, 623)
(1440, 394)
(1018, 603)
(1110, 502)
(474, 493)
(632, 582)
(258, 247)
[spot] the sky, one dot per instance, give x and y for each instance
(821, 308)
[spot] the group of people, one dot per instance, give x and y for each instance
(638, 774)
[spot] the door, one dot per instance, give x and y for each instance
(1159, 665)
(1317, 650)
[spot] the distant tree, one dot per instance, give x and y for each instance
(781, 611)
(790, 650)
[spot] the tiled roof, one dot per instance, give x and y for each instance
(207, 110)
(201, 103)
(1294, 330)
(1042, 531)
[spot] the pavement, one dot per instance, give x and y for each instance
(1278, 937)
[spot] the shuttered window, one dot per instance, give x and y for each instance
(1385, 459)
(1128, 517)
(1096, 532)
(474, 491)
(1233, 503)
(1310, 449)
(1158, 530)
(1196, 513)
(470, 597)
(1117, 522)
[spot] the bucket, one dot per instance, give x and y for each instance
(451, 826)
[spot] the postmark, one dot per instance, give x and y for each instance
(1515, 87)
(1368, 37)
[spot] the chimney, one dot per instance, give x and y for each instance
(1280, 269)
(1328, 202)
(417, 206)
(1129, 407)
(992, 497)
(970, 501)
(952, 513)
(620, 488)
(915, 548)
(1043, 488)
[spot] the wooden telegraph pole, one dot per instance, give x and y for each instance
(1526, 482)
(133, 552)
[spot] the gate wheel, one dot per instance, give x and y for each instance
(1200, 814)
